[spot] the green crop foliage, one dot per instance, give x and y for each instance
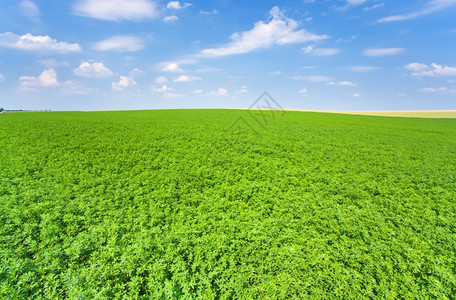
(180, 204)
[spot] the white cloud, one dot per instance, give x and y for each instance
(342, 83)
(279, 30)
(244, 89)
(93, 69)
(321, 51)
(172, 67)
(312, 78)
(39, 43)
(51, 62)
(30, 10)
(48, 78)
(170, 19)
(207, 13)
(123, 43)
(2, 78)
(347, 83)
(116, 10)
(419, 69)
(186, 78)
(383, 51)
(276, 73)
(430, 7)
(219, 92)
(162, 89)
(303, 92)
(124, 82)
(362, 68)
(433, 90)
(356, 95)
(374, 6)
(160, 80)
(177, 5)
(197, 92)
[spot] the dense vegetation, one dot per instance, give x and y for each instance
(213, 204)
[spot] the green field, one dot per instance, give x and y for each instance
(226, 204)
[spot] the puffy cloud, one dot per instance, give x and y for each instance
(356, 95)
(170, 19)
(29, 9)
(93, 69)
(321, 51)
(116, 10)
(2, 78)
(124, 82)
(279, 30)
(197, 92)
(186, 78)
(419, 69)
(172, 67)
(383, 51)
(43, 43)
(48, 78)
(219, 92)
(177, 5)
(123, 43)
(430, 7)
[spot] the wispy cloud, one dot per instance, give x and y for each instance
(30, 10)
(209, 12)
(170, 19)
(373, 6)
(419, 69)
(321, 51)
(362, 68)
(430, 7)
(92, 69)
(122, 43)
(343, 83)
(279, 30)
(303, 92)
(312, 78)
(383, 51)
(38, 43)
(441, 89)
(116, 10)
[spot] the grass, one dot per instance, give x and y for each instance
(226, 204)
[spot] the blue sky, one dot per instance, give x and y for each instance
(308, 54)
